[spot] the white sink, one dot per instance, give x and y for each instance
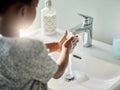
(97, 63)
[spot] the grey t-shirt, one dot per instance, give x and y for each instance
(24, 64)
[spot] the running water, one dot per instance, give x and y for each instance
(71, 75)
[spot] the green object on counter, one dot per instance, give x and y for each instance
(116, 47)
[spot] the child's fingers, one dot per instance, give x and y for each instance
(65, 33)
(71, 38)
(76, 39)
(64, 37)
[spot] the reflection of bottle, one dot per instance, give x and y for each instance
(48, 18)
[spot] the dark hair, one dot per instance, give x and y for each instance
(5, 4)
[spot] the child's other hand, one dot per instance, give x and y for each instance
(62, 40)
(67, 43)
(71, 43)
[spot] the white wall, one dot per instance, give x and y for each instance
(106, 15)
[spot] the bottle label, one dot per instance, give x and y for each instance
(49, 23)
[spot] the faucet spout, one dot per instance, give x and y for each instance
(78, 29)
(86, 28)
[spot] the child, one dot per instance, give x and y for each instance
(24, 63)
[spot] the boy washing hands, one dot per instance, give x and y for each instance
(25, 63)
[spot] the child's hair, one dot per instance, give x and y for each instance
(5, 4)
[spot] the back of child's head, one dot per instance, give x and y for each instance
(5, 4)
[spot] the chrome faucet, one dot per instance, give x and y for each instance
(86, 28)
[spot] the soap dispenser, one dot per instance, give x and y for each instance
(48, 19)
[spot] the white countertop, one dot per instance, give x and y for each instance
(101, 46)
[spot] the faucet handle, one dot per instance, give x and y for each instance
(88, 19)
(85, 16)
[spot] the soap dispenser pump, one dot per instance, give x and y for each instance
(48, 19)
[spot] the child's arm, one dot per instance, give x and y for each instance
(64, 57)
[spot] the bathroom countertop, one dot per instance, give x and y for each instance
(98, 45)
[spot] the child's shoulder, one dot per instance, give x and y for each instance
(21, 44)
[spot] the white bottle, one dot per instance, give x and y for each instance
(48, 19)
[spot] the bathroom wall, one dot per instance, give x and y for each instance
(106, 14)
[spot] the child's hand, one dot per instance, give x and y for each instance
(62, 40)
(71, 43)
(67, 43)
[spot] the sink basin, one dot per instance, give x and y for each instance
(97, 63)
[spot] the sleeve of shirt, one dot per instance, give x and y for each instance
(46, 66)
(31, 56)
